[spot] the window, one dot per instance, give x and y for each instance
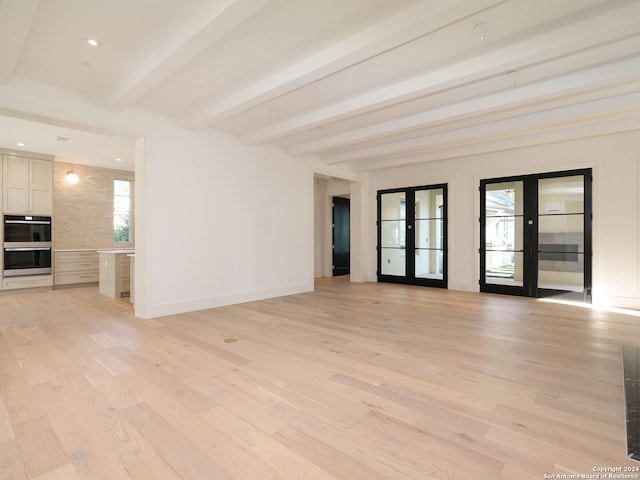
(122, 210)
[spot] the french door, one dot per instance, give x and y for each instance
(535, 235)
(412, 235)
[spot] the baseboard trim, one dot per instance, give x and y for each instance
(161, 310)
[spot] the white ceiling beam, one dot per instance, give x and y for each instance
(556, 135)
(557, 118)
(575, 39)
(599, 77)
(205, 29)
(16, 17)
(405, 26)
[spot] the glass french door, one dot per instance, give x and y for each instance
(412, 236)
(535, 237)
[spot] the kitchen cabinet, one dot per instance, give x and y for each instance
(27, 185)
(73, 267)
(29, 281)
(114, 273)
(132, 278)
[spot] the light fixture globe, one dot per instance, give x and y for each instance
(72, 178)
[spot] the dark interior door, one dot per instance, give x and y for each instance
(341, 236)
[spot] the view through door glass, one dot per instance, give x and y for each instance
(429, 233)
(561, 246)
(393, 226)
(504, 227)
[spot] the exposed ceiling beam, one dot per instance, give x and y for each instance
(206, 28)
(528, 139)
(599, 77)
(574, 39)
(596, 111)
(16, 17)
(411, 23)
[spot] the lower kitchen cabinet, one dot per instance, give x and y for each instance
(72, 267)
(30, 281)
(115, 273)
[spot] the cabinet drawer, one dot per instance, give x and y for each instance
(90, 255)
(69, 278)
(27, 282)
(76, 266)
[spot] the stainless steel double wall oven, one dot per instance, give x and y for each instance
(27, 245)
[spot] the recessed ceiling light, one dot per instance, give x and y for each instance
(20, 144)
(118, 159)
(63, 139)
(92, 42)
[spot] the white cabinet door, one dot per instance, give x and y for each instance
(27, 185)
(15, 183)
(40, 187)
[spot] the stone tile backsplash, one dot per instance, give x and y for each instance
(83, 213)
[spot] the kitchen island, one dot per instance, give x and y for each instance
(115, 272)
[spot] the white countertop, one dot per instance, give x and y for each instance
(115, 251)
(99, 250)
(74, 249)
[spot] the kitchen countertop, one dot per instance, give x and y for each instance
(99, 250)
(75, 249)
(116, 251)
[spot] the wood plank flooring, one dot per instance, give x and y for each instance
(353, 381)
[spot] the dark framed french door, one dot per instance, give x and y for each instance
(412, 235)
(535, 235)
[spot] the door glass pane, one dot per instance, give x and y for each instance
(504, 198)
(429, 203)
(429, 263)
(504, 227)
(429, 233)
(504, 268)
(562, 195)
(393, 233)
(393, 261)
(394, 206)
(393, 230)
(561, 233)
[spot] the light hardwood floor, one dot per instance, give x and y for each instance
(353, 381)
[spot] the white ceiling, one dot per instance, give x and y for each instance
(370, 83)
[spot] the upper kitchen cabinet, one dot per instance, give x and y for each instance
(27, 185)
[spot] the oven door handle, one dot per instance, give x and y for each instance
(26, 249)
(28, 222)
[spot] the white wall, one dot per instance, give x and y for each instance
(228, 223)
(616, 207)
